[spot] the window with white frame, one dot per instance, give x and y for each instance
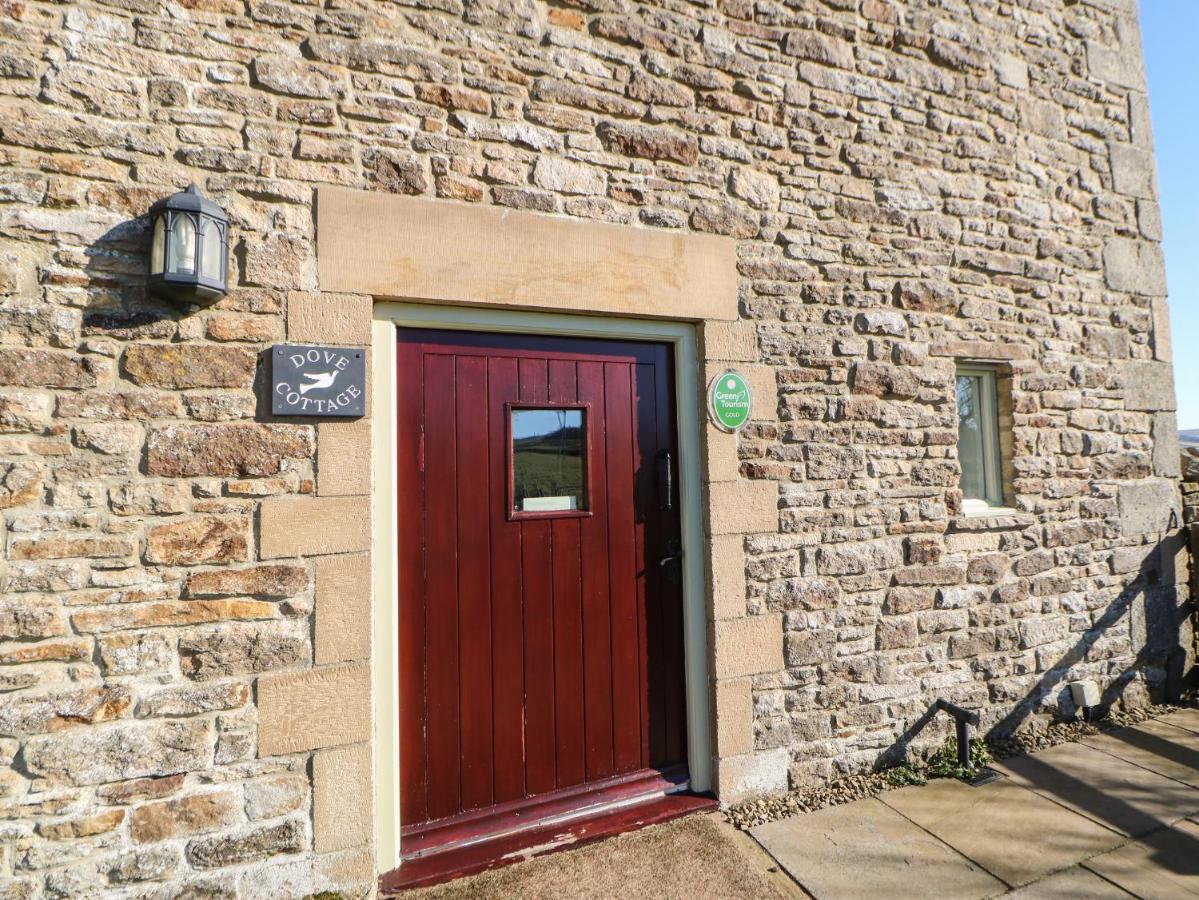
(979, 446)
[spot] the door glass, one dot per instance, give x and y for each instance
(548, 464)
(970, 437)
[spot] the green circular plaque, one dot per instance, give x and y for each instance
(729, 401)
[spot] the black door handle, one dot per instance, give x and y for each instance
(665, 480)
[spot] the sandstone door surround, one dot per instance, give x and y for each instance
(374, 246)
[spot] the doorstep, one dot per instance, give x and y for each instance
(516, 832)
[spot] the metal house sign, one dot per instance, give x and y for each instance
(318, 381)
(729, 401)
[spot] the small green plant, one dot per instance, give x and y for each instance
(944, 763)
(904, 774)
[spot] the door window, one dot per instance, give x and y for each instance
(548, 452)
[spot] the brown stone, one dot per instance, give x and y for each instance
(85, 826)
(181, 366)
(124, 405)
(71, 546)
(235, 449)
(20, 484)
(884, 380)
(182, 816)
(260, 581)
(184, 612)
(649, 142)
(199, 539)
(44, 369)
(59, 650)
(396, 172)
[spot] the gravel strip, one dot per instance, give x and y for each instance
(857, 787)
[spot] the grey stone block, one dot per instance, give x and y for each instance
(1167, 454)
(1137, 267)
(1133, 173)
(1149, 506)
(1148, 386)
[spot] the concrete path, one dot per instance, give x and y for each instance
(1114, 815)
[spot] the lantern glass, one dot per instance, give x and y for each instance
(211, 249)
(158, 246)
(183, 244)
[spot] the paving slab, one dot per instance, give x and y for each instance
(1164, 865)
(1012, 832)
(1157, 746)
(1072, 884)
(1183, 718)
(1111, 791)
(865, 850)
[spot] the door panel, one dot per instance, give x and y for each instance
(540, 649)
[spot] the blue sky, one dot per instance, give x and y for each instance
(1169, 29)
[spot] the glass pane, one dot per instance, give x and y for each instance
(211, 253)
(183, 245)
(970, 438)
(158, 245)
(547, 460)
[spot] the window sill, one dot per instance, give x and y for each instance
(991, 518)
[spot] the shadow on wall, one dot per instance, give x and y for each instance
(1159, 615)
(1156, 607)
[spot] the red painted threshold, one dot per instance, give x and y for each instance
(499, 837)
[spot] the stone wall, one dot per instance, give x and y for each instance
(184, 601)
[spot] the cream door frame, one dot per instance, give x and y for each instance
(387, 317)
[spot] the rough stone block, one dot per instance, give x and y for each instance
(121, 751)
(326, 318)
(182, 366)
(182, 816)
(247, 846)
(199, 539)
(232, 449)
(343, 608)
(261, 581)
(748, 646)
(319, 708)
(313, 526)
(342, 798)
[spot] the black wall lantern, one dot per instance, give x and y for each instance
(189, 248)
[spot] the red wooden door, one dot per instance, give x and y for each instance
(541, 637)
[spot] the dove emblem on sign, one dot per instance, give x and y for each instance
(319, 380)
